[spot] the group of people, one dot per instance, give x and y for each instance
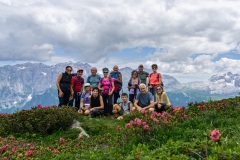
(99, 95)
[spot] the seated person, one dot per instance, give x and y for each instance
(162, 101)
(144, 99)
(96, 107)
(125, 107)
(85, 103)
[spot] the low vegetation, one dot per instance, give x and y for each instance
(205, 130)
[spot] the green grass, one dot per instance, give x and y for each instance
(183, 139)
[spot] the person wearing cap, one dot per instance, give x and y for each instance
(162, 102)
(154, 80)
(85, 103)
(142, 74)
(106, 86)
(94, 78)
(77, 87)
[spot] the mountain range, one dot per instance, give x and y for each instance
(23, 86)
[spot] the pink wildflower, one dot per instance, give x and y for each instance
(183, 107)
(139, 122)
(215, 135)
(144, 123)
(143, 111)
(165, 121)
(171, 106)
(55, 151)
(156, 120)
(81, 137)
(185, 116)
(14, 148)
(61, 140)
(12, 137)
(128, 125)
(146, 127)
(4, 158)
(159, 114)
(25, 145)
(29, 153)
(118, 128)
(39, 106)
(132, 122)
(4, 148)
(32, 147)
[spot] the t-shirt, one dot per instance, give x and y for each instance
(85, 96)
(126, 107)
(106, 84)
(154, 79)
(93, 80)
(160, 98)
(144, 100)
(77, 83)
(143, 76)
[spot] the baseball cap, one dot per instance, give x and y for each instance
(87, 85)
(79, 69)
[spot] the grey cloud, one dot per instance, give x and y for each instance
(92, 29)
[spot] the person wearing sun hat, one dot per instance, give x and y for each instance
(85, 103)
(77, 87)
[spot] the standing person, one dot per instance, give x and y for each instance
(106, 86)
(154, 80)
(63, 84)
(77, 87)
(85, 103)
(96, 107)
(133, 85)
(162, 102)
(142, 74)
(117, 77)
(94, 78)
(144, 99)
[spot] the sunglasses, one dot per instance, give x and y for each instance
(159, 88)
(105, 72)
(69, 70)
(80, 71)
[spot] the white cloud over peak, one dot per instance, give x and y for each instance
(46, 30)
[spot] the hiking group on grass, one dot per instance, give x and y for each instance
(99, 95)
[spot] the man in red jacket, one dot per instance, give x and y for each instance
(77, 87)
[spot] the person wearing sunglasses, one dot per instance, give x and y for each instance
(144, 99)
(162, 102)
(63, 84)
(154, 80)
(106, 86)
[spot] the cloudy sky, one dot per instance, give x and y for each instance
(189, 39)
